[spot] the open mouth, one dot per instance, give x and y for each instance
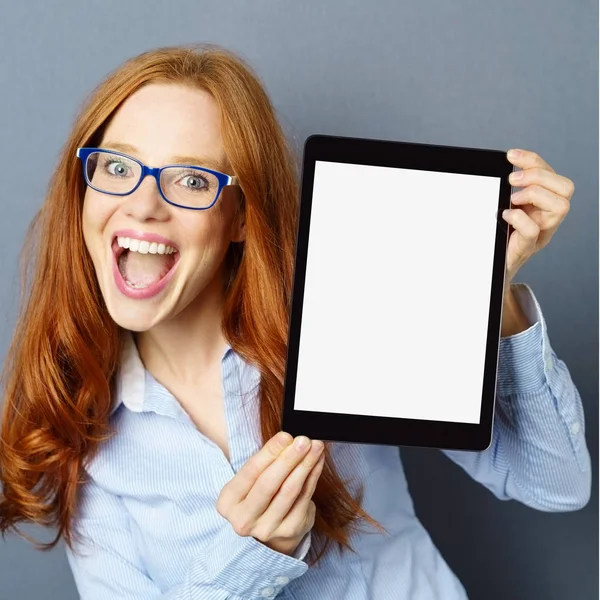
(142, 268)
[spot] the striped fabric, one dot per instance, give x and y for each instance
(151, 530)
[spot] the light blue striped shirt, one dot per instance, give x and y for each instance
(151, 528)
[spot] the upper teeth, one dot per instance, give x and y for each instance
(144, 247)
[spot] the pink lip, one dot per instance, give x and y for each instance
(151, 290)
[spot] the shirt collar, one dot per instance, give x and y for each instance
(131, 377)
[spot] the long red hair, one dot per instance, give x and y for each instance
(64, 355)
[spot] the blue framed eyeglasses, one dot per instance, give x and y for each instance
(185, 186)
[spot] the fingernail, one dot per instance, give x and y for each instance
(284, 439)
(516, 175)
(317, 446)
(516, 197)
(515, 153)
(302, 442)
(505, 212)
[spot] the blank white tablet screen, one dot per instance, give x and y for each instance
(397, 292)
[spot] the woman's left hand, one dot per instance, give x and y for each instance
(540, 207)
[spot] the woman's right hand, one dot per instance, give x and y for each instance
(270, 497)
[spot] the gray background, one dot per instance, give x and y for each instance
(483, 74)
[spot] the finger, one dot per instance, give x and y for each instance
(524, 237)
(272, 478)
(301, 516)
(238, 488)
(537, 176)
(298, 484)
(525, 159)
(522, 223)
(543, 199)
(310, 485)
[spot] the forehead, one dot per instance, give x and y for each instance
(164, 120)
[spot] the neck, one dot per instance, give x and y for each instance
(189, 345)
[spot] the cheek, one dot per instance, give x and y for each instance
(94, 217)
(87, 224)
(211, 234)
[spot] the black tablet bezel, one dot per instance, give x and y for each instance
(390, 430)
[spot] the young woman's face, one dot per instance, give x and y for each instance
(160, 124)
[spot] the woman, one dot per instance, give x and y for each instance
(144, 382)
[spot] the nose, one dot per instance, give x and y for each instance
(146, 203)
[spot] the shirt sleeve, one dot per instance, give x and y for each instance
(303, 547)
(538, 454)
(106, 564)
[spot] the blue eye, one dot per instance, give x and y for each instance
(194, 182)
(117, 166)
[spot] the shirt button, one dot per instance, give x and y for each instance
(575, 428)
(267, 592)
(282, 580)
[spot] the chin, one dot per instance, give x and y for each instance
(136, 315)
(132, 320)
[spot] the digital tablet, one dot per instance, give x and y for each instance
(397, 296)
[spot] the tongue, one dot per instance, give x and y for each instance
(142, 270)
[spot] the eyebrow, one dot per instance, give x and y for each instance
(179, 159)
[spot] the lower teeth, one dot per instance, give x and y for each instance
(136, 286)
